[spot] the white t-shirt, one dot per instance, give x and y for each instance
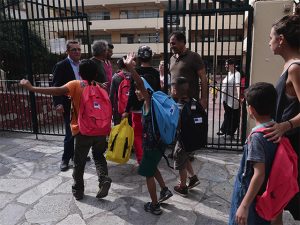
(229, 89)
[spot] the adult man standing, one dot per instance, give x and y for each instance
(107, 64)
(188, 64)
(231, 100)
(63, 72)
(99, 55)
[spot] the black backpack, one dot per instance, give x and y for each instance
(193, 126)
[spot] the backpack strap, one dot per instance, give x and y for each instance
(259, 130)
(167, 160)
(121, 74)
(147, 85)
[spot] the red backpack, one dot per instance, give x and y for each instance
(282, 183)
(123, 92)
(95, 111)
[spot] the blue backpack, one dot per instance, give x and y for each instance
(165, 114)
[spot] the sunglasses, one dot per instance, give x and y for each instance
(75, 49)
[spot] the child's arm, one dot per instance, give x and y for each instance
(138, 80)
(254, 187)
(56, 91)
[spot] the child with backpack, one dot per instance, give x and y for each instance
(119, 92)
(258, 157)
(152, 149)
(182, 151)
(91, 122)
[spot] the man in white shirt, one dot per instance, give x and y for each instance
(63, 72)
(231, 100)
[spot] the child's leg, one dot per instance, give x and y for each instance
(189, 168)
(183, 176)
(193, 179)
(159, 179)
(82, 147)
(98, 150)
(152, 189)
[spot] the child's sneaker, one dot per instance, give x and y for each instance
(165, 194)
(154, 209)
(104, 188)
(193, 182)
(183, 191)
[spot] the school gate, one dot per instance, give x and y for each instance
(33, 35)
(217, 30)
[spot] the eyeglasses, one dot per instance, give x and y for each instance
(75, 49)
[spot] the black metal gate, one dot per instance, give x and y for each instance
(217, 30)
(33, 37)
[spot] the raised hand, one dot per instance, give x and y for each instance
(129, 60)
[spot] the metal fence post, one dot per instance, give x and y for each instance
(29, 74)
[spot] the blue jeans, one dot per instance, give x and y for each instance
(240, 188)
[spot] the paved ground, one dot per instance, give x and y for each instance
(34, 191)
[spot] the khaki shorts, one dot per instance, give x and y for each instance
(180, 156)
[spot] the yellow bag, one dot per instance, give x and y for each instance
(120, 142)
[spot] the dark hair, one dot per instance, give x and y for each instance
(110, 46)
(120, 62)
(182, 86)
(289, 27)
(230, 61)
(262, 97)
(144, 53)
(70, 42)
(179, 81)
(179, 36)
(87, 70)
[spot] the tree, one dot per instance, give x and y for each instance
(15, 47)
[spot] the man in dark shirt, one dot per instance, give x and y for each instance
(134, 105)
(99, 55)
(188, 64)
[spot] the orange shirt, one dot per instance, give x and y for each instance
(75, 88)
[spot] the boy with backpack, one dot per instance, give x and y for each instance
(258, 156)
(91, 122)
(181, 153)
(144, 57)
(119, 92)
(152, 149)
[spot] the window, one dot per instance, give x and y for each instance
(132, 14)
(123, 14)
(128, 14)
(127, 38)
(148, 38)
(203, 36)
(152, 13)
(101, 37)
(102, 15)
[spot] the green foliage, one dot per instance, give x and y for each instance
(15, 51)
